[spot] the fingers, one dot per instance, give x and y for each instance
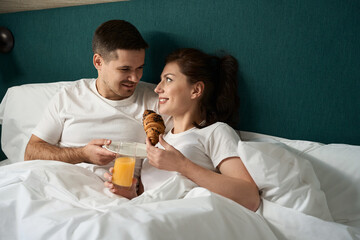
(149, 147)
(106, 153)
(134, 181)
(96, 154)
(128, 192)
(100, 142)
(162, 141)
(110, 186)
(100, 150)
(108, 176)
(109, 183)
(148, 143)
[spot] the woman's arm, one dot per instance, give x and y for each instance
(234, 182)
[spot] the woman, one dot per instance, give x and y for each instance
(199, 92)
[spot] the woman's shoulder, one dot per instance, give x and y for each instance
(221, 128)
(219, 125)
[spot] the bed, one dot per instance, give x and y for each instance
(309, 190)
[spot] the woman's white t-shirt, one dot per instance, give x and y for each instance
(206, 147)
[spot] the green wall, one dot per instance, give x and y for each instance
(299, 59)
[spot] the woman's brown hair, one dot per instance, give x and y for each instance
(220, 101)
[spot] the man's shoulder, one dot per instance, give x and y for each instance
(146, 87)
(146, 90)
(82, 82)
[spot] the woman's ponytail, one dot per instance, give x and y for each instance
(227, 100)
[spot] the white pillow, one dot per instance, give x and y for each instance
(338, 169)
(20, 111)
(284, 177)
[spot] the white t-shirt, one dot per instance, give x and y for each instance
(206, 147)
(79, 114)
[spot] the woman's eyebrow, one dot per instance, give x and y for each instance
(167, 74)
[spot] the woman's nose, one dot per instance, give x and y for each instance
(158, 88)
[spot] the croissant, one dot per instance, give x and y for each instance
(153, 125)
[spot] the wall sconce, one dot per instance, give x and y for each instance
(6, 40)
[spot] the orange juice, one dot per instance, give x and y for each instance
(123, 171)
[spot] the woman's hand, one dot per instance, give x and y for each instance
(128, 192)
(169, 159)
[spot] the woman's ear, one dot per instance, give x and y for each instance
(198, 90)
(97, 61)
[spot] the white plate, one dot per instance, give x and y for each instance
(132, 149)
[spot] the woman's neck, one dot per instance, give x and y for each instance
(185, 122)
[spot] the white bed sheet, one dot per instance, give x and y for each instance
(54, 200)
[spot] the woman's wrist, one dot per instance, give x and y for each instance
(185, 167)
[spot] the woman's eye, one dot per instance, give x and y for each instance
(168, 79)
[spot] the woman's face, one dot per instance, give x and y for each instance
(175, 92)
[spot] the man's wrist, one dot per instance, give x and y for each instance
(81, 155)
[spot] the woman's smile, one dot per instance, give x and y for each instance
(163, 100)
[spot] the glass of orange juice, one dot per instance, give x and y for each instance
(123, 171)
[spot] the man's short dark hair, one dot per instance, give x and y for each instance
(117, 34)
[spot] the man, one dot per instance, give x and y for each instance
(90, 113)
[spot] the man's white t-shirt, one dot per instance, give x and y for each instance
(79, 114)
(206, 147)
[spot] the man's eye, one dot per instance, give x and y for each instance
(168, 79)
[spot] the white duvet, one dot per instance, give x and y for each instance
(54, 200)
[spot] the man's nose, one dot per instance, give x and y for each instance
(133, 76)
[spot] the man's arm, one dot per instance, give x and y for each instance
(91, 153)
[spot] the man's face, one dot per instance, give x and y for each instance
(119, 75)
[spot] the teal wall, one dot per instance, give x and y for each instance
(299, 59)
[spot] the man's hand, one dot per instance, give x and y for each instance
(38, 149)
(96, 154)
